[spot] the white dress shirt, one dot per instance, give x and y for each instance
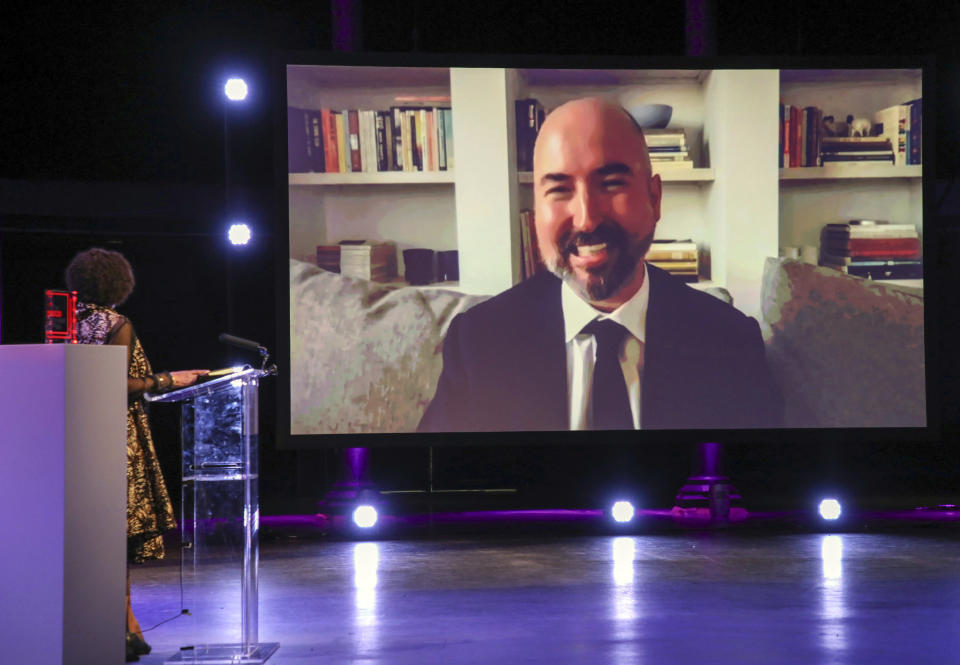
(582, 350)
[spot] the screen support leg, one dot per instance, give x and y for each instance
(709, 490)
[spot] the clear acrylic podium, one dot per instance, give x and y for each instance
(220, 519)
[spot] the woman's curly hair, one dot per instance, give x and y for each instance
(100, 277)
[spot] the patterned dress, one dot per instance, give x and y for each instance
(149, 511)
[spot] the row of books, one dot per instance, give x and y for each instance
(668, 148)
(801, 134)
(808, 139)
(531, 262)
(680, 258)
(902, 125)
(874, 249)
(360, 259)
(405, 138)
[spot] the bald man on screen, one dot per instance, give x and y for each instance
(604, 340)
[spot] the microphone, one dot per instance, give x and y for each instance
(240, 341)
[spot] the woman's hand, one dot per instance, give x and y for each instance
(187, 377)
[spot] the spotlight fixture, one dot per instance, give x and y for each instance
(830, 509)
(239, 234)
(365, 516)
(235, 89)
(622, 512)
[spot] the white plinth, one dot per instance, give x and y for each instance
(63, 503)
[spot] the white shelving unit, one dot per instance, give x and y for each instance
(812, 197)
(737, 205)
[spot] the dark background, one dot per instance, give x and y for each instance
(112, 126)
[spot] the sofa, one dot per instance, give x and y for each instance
(365, 356)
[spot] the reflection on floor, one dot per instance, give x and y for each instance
(687, 597)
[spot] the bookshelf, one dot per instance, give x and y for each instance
(811, 197)
(736, 204)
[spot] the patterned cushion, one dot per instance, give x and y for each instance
(364, 356)
(847, 352)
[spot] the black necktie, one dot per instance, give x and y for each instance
(611, 405)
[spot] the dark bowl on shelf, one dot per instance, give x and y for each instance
(652, 116)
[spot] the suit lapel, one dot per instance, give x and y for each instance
(544, 386)
(665, 365)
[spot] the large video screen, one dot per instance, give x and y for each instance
(479, 250)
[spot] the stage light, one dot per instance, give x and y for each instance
(622, 512)
(235, 89)
(239, 234)
(365, 516)
(830, 509)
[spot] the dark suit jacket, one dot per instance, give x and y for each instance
(504, 364)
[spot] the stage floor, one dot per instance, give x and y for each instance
(688, 597)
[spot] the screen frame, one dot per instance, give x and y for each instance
(930, 433)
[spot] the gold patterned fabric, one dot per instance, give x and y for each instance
(149, 511)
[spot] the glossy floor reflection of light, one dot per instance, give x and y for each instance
(666, 598)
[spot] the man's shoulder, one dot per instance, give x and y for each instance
(522, 299)
(692, 310)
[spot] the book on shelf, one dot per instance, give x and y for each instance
(795, 123)
(889, 269)
(531, 262)
(441, 141)
(888, 122)
(853, 157)
(364, 141)
(373, 261)
(876, 246)
(328, 257)
(298, 144)
(665, 137)
(382, 142)
(666, 149)
(802, 139)
(671, 164)
(855, 144)
(672, 250)
(876, 229)
(353, 119)
(528, 114)
(343, 156)
(317, 162)
(916, 135)
(676, 267)
(448, 136)
(330, 148)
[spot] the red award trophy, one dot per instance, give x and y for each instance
(60, 317)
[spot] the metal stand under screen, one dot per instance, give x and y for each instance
(220, 520)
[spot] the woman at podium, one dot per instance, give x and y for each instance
(103, 280)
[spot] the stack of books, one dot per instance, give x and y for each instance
(668, 149)
(902, 125)
(873, 249)
(529, 115)
(328, 257)
(370, 261)
(853, 150)
(677, 257)
(404, 138)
